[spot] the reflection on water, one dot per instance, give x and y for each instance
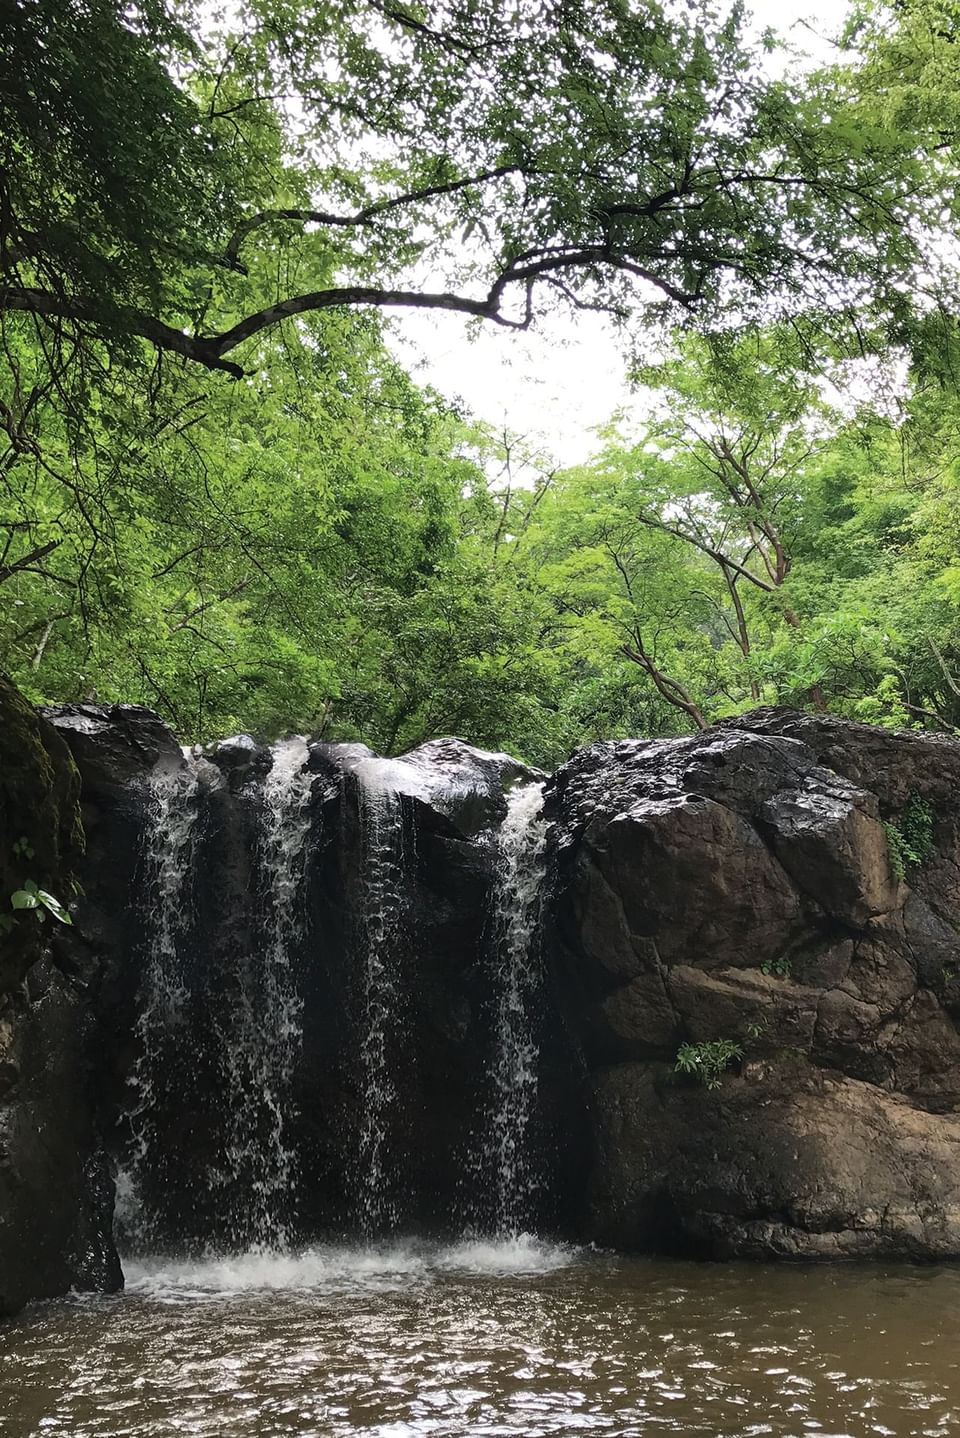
(488, 1339)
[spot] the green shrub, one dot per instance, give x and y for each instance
(708, 1062)
(910, 839)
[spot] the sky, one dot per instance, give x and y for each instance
(556, 385)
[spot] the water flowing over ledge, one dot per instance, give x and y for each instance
(230, 977)
(399, 998)
(517, 987)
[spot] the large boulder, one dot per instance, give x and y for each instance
(452, 778)
(114, 744)
(734, 896)
(785, 1160)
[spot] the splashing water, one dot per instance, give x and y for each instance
(516, 918)
(381, 941)
(389, 1266)
(261, 1048)
(168, 850)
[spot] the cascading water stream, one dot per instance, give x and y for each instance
(382, 915)
(517, 898)
(220, 1025)
(263, 1042)
(168, 850)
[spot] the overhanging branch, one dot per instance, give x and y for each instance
(361, 218)
(210, 350)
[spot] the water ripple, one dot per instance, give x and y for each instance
(491, 1341)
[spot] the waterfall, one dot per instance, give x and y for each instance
(262, 1038)
(212, 1160)
(163, 996)
(513, 1073)
(381, 923)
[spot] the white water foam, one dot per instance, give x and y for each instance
(336, 1269)
(393, 776)
(521, 1253)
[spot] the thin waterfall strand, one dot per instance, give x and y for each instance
(168, 848)
(517, 899)
(261, 1050)
(382, 915)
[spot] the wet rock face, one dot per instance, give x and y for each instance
(41, 838)
(55, 1194)
(114, 744)
(241, 760)
(465, 785)
(738, 887)
(786, 1161)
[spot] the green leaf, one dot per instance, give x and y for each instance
(54, 907)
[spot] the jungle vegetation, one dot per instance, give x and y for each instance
(220, 493)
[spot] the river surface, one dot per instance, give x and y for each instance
(480, 1339)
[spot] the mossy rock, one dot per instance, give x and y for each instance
(41, 836)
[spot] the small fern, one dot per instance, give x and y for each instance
(708, 1062)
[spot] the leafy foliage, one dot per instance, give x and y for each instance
(220, 494)
(160, 161)
(779, 967)
(31, 898)
(910, 839)
(39, 901)
(709, 1061)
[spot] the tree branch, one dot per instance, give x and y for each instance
(209, 350)
(26, 561)
(951, 682)
(363, 217)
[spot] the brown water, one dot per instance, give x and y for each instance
(488, 1340)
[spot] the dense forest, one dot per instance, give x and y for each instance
(222, 496)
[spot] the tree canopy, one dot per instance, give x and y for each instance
(221, 495)
(585, 152)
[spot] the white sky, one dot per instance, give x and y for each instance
(555, 386)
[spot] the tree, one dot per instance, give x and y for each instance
(753, 545)
(619, 159)
(627, 597)
(722, 468)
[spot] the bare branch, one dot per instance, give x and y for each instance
(952, 684)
